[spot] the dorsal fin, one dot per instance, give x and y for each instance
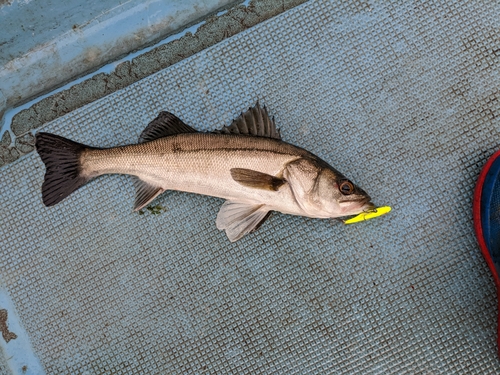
(255, 121)
(163, 125)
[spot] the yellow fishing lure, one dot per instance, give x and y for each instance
(379, 211)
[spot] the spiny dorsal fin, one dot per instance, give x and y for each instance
(238, 219)
(255, 121)
(163, 125)
(256, 180)
(144, 193)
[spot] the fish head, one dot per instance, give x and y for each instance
(323, 192)
(338, 196)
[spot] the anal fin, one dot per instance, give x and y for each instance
(144, 193)
(239, 219)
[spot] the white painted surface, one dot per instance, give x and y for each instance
(108, 68)
(47, 43)
(18, 352)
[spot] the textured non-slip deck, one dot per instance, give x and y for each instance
(403, 99)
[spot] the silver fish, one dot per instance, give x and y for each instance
(245, 163)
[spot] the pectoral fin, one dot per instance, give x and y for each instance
(144, 193)
(238, 219)
(257, 180)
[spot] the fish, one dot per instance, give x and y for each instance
(246, 163)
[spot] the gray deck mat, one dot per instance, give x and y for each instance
(401, 98)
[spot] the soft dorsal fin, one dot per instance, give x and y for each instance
(238, 219)
(163, 125)
(144, 193)
(255, 121)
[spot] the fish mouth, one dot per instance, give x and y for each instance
(364, 203)
(360, 205)
(369, 206)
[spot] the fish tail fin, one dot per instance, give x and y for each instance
(63, 175)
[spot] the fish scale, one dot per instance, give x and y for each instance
(208, 157)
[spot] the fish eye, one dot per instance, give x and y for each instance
(346, 187)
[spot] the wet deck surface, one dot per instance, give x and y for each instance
(401, 98)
